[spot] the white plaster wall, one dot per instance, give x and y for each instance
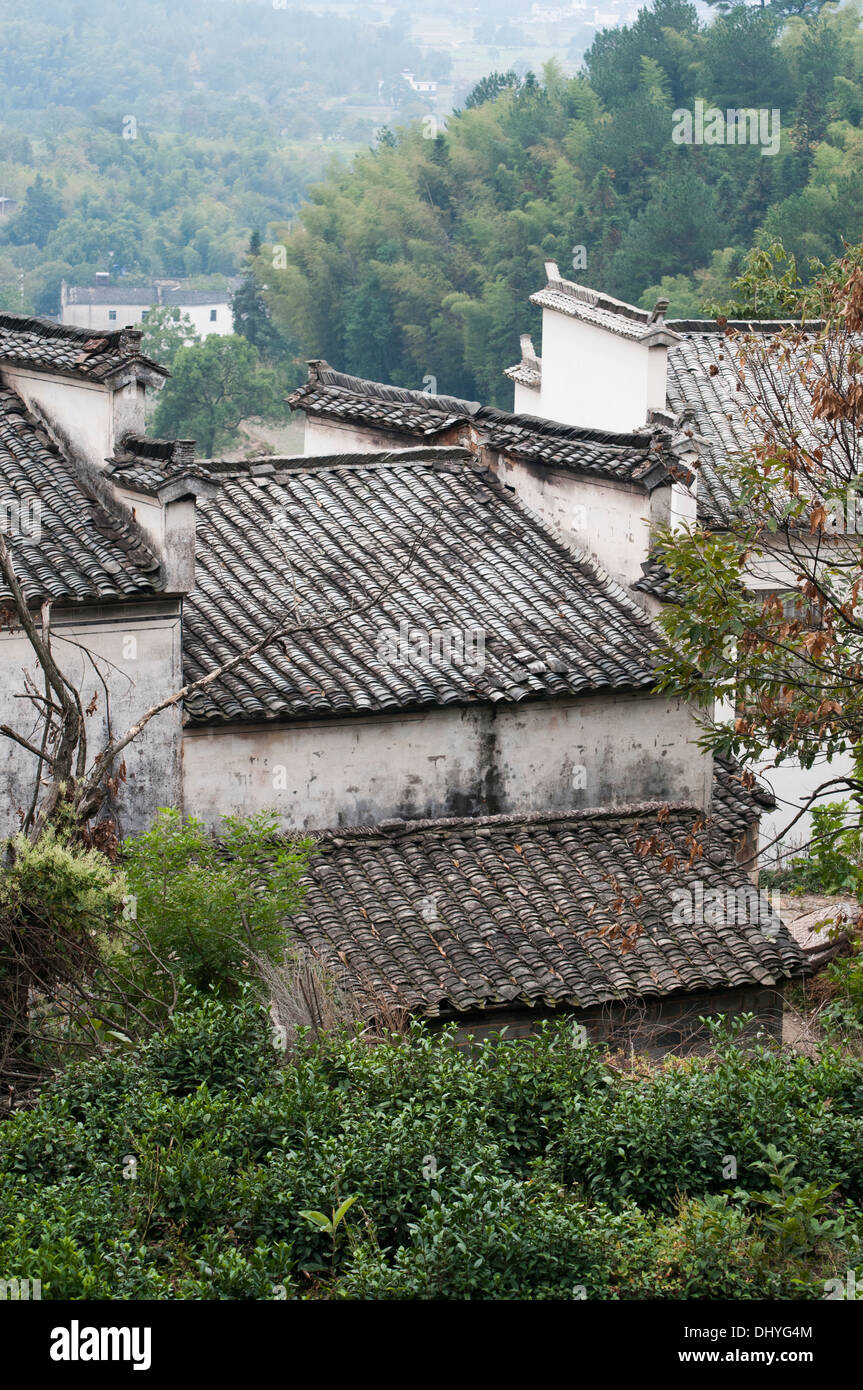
(792, 786)
(202, 323)
(80, 413)
(97, 316)
(331, 437)
(602, 750)
(526, 400)
(591, 377)
(142, 645)
(608, 520)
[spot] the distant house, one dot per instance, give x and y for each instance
(104, 307)
(8, 207)
(418, 84)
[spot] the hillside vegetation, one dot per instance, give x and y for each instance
(419, 260)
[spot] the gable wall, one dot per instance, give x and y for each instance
(608, 520)
(79, 413)
(591, 377)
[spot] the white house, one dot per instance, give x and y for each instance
(104, 306)
(624, 420)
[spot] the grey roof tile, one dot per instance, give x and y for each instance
(70, 538)
(530, 911)
(421, 538)
(54, 347)
(335, 395)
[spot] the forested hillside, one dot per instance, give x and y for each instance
(155, 142)
(151, 139)
(418, 261)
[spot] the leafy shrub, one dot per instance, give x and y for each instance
(187, 1166)
(207, 905)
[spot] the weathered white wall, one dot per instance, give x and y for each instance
(332, 437)
(793, 785)
(601, 750)
(80, 413)
(202, 323)
(591, 377)
(142, 645)
(98, 316)
(526, 399)
(608, 520)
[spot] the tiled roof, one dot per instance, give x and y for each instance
(70, 539)
(526, 373)
(566, 447)
(149, 465)
(423, 538)
(738, 797)
(704, 388)
(656, 580)
(54, 347)
(144, 295)
(572, 909)
(415, 414)
(602, 310)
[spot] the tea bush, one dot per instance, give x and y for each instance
(188, 1166)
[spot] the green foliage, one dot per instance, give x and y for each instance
(199, 1165)
(798, 1213)
(833, 864)
(72, 889)
(207, 906)
(60, 907)
(490, 87)
(215, 385)
(420, 259)
(166, 330)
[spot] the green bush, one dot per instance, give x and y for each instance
(207, 905)
(186, 1166)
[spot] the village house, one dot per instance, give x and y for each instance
(105, 306)
(507, 817)
(623, 423)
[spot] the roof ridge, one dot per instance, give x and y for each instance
(323, 374)
(364, 389)
(306, 463)
(397, 828)
(752, 325)
(48, 328)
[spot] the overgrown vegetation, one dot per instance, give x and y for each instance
(95, 952)
(203, 1166)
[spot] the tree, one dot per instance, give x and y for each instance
(59, 906)
(252, 318)
(489, 88)
(166, 331)
(214, 386)
(39, 215)
(769, 643)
